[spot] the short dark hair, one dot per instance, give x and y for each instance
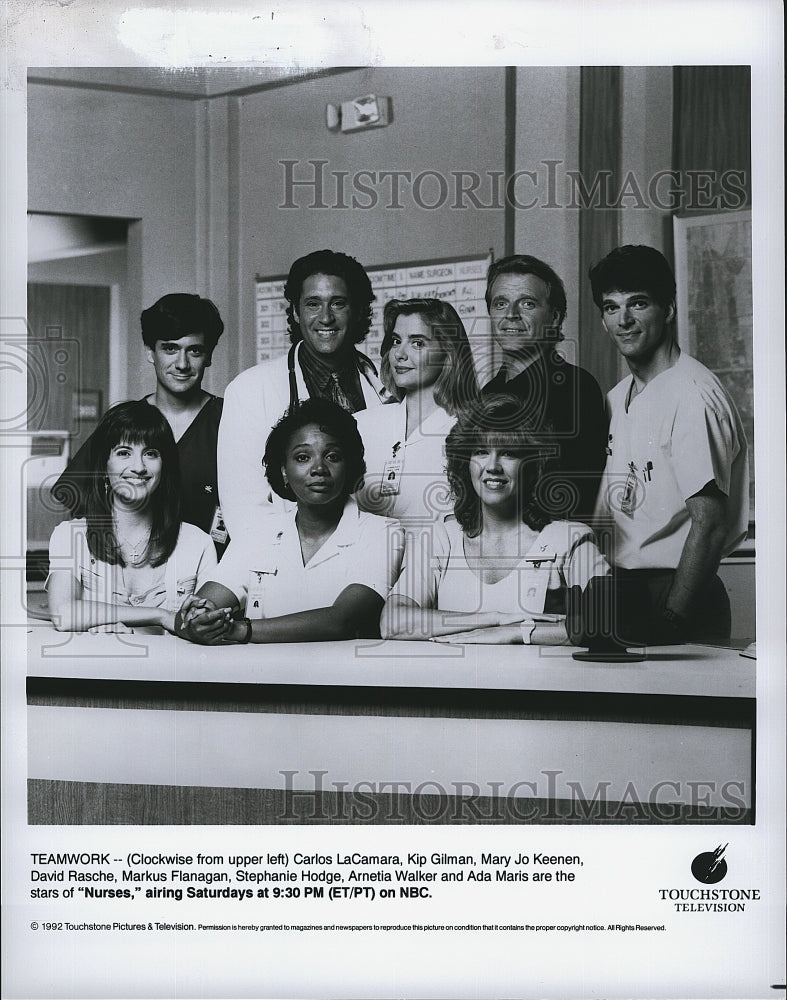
(520, 263)
(135, 422)
(456, 384)
(331, 419)
(633, 269)
(496, 418)
(181, 314)
(339, 265)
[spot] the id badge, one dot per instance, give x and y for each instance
(392, 477)
(628, 500)
(255, 600)
(533, 590)
(218, 529)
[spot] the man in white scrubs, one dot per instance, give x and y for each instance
(675, 491)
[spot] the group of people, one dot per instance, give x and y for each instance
(329, 501)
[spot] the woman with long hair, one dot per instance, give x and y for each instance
(427, 368)
(130, 561)
(499, 569)
(180, 332)
(319, 572)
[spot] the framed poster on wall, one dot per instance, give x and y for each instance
(713, 268)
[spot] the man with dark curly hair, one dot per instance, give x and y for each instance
(329, 311)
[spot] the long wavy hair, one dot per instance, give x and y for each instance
(135, 422)
(456, 385)
(493, 421)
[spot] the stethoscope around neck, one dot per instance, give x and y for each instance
(291, 375)
(366, 364)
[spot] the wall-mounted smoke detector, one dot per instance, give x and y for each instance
(368, 111)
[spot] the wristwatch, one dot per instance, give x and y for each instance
(527, 629)
(247, 623)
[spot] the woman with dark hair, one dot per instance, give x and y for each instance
(499, 569)
(320, 572)
(427, 368)
(129, 561)
(180, 332)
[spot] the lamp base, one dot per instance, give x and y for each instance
(608, 654)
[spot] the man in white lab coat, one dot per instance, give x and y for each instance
(329, 311)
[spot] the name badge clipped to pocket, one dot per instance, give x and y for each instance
(533, 590)
(628, 500)
(218, 529)
(255, 600)
(392, 473)
(534, 578)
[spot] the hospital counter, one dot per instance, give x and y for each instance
(148, 729)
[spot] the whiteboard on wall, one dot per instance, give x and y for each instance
(458, 280)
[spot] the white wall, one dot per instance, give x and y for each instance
(547, 128)
(128, 156)
(443, 120)
(204, 187)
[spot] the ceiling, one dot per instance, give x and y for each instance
(191, 84)
(58, 237)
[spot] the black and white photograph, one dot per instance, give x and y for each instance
(395, 495)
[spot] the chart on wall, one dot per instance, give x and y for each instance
(458, 280)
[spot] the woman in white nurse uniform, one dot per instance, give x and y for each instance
(320, 572)
(131, 561)
(427, 367)
(499, 569)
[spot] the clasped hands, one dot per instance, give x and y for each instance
(200, 620)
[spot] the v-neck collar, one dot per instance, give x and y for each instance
(345, 534)
(208, 402)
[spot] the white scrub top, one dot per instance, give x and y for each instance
(405, 476)
(562, 556)
(185, 571)
(681, 432)
(265, 571)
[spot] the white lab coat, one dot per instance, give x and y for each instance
(253, 403)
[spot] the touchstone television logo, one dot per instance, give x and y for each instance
(710, 866)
